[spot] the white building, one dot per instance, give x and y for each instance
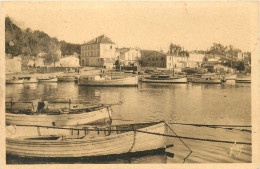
(98, 52)
(128, 56)
(195, 60)
(13, 65)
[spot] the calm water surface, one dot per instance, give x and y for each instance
(180, 103)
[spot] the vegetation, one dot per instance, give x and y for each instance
(175, 49)
(31, 43)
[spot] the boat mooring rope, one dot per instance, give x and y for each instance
(180, 140)
(209, 125)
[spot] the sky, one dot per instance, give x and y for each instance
(148, 25)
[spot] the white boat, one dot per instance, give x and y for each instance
(107, 81)
(30, 80)
(48, 80)
(98, 141)
(230, 77)
(164, 79)
(56, 117)
(14, 81)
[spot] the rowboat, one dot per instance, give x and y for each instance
(66, 78)
(111, 140)
(57, 117)
(30, 80)
(14, 81)
(164, 79)
(48, 80)
(107, 81)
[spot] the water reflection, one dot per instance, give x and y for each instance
(182, 103)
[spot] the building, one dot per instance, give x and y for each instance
(13, 64)
(128, 56)
(100, 51)
(164, 60)
(195, 60)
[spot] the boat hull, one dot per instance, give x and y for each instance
(54, 80)
(128, 142)
(32, 80)
(213, 81)
(10, 81)
(177, 80)
(58, 120)
(128, 81)
(243, 80)
(66, 79)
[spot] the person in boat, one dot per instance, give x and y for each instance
(39, 106)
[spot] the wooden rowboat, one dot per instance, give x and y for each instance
(51, 118)
(92, 143)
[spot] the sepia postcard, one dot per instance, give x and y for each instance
(134, 84)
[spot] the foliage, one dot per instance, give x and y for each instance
(174, 49)
(31, 43)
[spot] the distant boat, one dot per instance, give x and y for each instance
(246, 79)
(66, 78)
(14, 81)
(107, 81)
(56, 117)
(230, 77)
(208, 79)
(91, 142)
(164, 79)
(48, 80)
(30, 80)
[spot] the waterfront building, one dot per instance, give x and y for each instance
(164, 60)
(128, 56)
(195, 60)
(14, 64)
(98, 52)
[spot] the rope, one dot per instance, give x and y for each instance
(180, 140)
(189, 138)
(207, 125)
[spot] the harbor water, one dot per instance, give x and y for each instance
(208, 104)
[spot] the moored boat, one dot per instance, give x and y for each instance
(164, 79)
(14, 81)
(208, 79)
(30, 80)
(34, 116)
(48, 80)
(92, 142)
(243, 80)
(66, 78)
(107, 81)
(230, 77)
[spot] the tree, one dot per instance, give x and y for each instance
(174, 49)
(240, 66)
(218, 49)
(52, 56)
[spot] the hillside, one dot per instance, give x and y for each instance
(32, 42)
